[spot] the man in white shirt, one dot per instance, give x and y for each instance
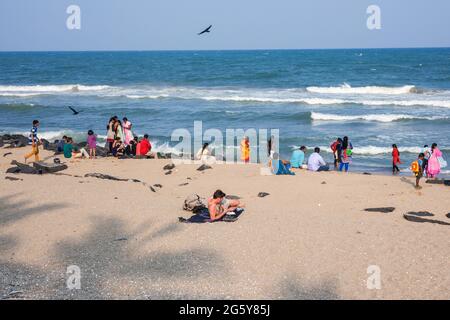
(316, 162)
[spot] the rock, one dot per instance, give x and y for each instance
(13, 178)
(203, 167)
(151, 188)
(121, 239)
(17, 141)
(102, 152)
(263, 194)
(447, 183)
(421, 213)
(383, 209)
(24, 168)
(422, 220)
(169, 166)
(49, 146)
(82, 144)
(7, 154)
(183, 184)
(13, 170)
(324, 182)
(1, 142)
(157, 185)
(434, 181)
(49, 167)
(168, 172)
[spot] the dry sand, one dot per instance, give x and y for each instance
(306, 240)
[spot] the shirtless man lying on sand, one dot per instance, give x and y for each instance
(219, 206)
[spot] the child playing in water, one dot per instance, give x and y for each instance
(92, 144)
(417, 169)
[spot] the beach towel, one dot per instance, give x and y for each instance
(203, 217)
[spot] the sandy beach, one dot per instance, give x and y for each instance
(310, 238)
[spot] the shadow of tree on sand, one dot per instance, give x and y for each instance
(12, 211)
(292, 288)
(110, 270)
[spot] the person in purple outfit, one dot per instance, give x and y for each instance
(92, 144)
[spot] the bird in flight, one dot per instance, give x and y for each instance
(206, 30)
(75, 112)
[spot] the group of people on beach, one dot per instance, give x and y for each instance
(429, 162)
(122, 142)
(341, 149)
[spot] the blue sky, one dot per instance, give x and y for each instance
(237, 24)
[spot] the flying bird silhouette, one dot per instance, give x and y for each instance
(75, 112)
(206, 30)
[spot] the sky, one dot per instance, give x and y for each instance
(40, 25)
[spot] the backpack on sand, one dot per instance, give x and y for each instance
(193, 203)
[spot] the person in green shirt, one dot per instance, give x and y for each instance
(68, 148)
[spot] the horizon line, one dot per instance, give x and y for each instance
(209, 50)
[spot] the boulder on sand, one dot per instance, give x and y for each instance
(49, 167)
(22, 168)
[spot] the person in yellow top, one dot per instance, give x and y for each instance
(245, 150)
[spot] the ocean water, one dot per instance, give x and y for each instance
(376, 97)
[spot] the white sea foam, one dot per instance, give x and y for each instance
(258, 95)
(372, 150)
(347, 89)
(368, 117)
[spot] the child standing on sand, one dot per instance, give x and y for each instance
(92, 144)
(395, 159)
(34, 141)
(417, 169)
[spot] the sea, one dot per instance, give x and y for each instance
(376, 97)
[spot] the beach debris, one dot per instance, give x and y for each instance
(121, 239)
(203, 167)
(382, 209)
(422, 220)
(168, 172)
(49, 167)
(7, 154)
(13, 178)
(324, 182)
(420, 213)
(183, 184)
(448, 215)
(169, 166)
(447, 183)
(157, 185)
(263, 194)
(151, 188)
(103, 176)
(232, 197)
(367, 173)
